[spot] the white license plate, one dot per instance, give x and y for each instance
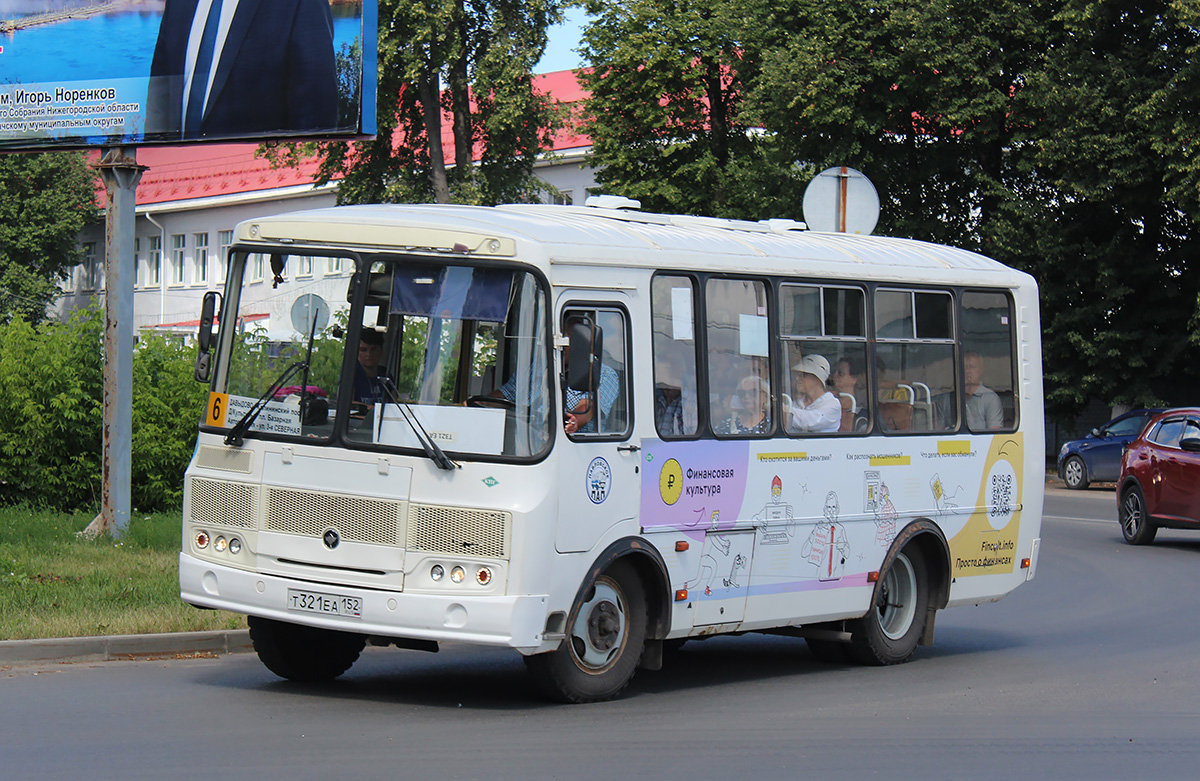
(326, 604)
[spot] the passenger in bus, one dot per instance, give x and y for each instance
(674, 397)
(370, 382)
(848, 384)
(984, 410)
(753, 417)
(818, 410)
(580, 411)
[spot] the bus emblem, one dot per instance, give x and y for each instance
(599, 480)
(331, 539)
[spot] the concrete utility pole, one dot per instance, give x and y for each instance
(121, 173)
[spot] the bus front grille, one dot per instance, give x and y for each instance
(458, 530)
(223, 503)
(308, 513)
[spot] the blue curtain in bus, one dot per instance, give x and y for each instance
(452, 293)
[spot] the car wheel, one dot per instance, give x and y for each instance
(606, 634)
(889, 632)
(303, 653)
(1075, 473)
(1136, 526)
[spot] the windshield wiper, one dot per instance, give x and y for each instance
(435, 453)
(237, 434)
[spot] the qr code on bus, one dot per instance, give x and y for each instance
(1000, 502)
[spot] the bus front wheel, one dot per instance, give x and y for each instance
(889, 632)
(605, 636)
(303, 653)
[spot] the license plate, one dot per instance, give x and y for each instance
(326, 604)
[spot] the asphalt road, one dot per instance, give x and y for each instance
(1086, 672)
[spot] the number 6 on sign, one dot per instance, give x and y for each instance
(218, 403)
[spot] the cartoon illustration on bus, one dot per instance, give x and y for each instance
(776, 510)
(826, 547)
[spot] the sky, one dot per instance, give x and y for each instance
(564, 38)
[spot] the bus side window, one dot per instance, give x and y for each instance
(606, 402)
(739, 376)
(915, 371)
(987, 334)
(674, 326)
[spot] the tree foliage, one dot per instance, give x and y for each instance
(483, 53)
(1058, 136)
(51, 399)
(45, 200)
(665, 113)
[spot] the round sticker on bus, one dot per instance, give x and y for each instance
(670, 481)
(599, 480)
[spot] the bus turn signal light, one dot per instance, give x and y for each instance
(1025, 563)
(680, 594)
(681, 546)
(873, 577)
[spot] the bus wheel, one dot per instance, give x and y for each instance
(1136, 526)
(303, 653)
(606, 633)
(889, 632)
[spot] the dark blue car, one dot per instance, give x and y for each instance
(1097, 457)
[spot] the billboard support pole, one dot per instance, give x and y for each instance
(121, 173)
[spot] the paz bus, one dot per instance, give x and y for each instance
(589, 434)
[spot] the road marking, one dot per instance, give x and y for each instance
(1078, 520)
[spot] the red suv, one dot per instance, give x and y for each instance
(1160, 477)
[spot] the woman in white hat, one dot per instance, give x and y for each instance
(819, 411)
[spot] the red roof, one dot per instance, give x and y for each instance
(178, 173)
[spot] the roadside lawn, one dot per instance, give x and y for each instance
(55, 584)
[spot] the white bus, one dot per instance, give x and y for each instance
(591, 433)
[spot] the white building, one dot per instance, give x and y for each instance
(190, 197)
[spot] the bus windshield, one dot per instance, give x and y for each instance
(449, 356)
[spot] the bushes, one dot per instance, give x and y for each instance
(51, 405)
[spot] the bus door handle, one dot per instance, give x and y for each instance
(628, 448)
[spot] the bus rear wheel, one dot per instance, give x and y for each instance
(889, 632)
(303, 653)
(606, 633)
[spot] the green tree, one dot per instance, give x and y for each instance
(1110, 241)
(665, 112)
(45, 200)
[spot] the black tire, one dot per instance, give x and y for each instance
(889, 632)
(606, 633)
(303, 653)
(1136, 526)
(1075, 474)
(828, 651)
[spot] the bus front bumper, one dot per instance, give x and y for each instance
(513, 621)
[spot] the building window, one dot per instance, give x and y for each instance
(305, 266)
(178, 245)
(154, 262)
(137, 261)
(224, 240)
(257, 261)
(201, 240)
(335, 267)
(91, 267)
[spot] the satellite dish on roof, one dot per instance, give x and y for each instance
(841, 200)
(310, 314)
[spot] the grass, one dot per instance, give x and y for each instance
(55, 584)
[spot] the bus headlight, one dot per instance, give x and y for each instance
(202, 539)
(220, 544)
(437, 573)
(457, 574)
(235, 546)
(483, 576)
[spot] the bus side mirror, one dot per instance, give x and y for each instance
(585, 340)
(208, 310)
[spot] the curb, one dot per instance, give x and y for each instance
(124, 647)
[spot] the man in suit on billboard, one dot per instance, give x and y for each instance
(230, 68)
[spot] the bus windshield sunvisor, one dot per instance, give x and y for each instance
(453, 293)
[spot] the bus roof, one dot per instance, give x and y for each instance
(590, 236)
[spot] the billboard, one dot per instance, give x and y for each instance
(79, 73)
